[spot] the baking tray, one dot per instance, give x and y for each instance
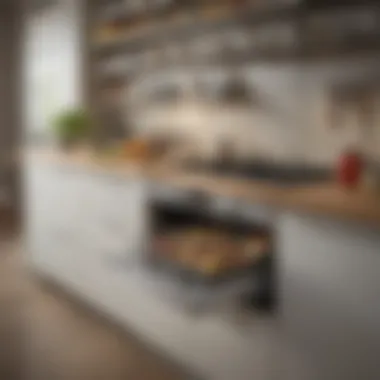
(190, 276)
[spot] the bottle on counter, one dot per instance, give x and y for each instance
(350, 169)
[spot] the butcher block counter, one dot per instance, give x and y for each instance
(325, 199)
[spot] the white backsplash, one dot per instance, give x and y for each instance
(290, 124)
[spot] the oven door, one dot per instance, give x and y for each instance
(202, 256)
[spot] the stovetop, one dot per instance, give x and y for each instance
(279, 174)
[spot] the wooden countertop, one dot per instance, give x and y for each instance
(326, 199)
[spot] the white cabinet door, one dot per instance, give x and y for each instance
(112, 232)
(40, 192)
(83, 226)
(117, 216)
(52, 198)
(330, 286)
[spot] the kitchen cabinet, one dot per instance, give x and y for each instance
(80, 225)
(86, 228)
(329, 289)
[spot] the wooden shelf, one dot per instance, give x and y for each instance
(299, 53)
(182, 30)
(185, 30)
(121, 13)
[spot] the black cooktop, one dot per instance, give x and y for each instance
(278, 173)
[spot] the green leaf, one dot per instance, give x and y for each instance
(72, 124)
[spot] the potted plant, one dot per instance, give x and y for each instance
(71, 127)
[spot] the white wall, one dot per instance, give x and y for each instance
(52, 63)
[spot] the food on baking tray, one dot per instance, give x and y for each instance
(210, 264)
(255, 247)
(211, 251)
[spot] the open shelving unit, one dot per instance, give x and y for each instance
(125, 43)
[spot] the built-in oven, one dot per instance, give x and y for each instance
(210, 248)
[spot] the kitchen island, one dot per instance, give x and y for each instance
(86, 226)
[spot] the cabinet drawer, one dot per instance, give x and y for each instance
(114, 204)
(80, 222)
(116, 195)
(115, 246)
